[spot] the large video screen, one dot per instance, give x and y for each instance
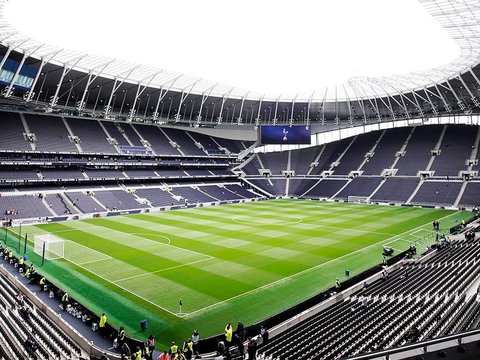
(25, 77)
(287, 135)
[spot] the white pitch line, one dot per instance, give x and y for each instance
(89, 262)
(89, 249)
(161, 270)
(236, 219)
(127, 290)
(305, 271)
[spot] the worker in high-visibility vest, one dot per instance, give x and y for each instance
(42, 282)
(102, 323)
(173, 348)
(64, 301)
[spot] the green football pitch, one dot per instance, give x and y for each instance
(229, 263)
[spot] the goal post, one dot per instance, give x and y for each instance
(359, 199)
(49, 246)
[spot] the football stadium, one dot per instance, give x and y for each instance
(155, 211)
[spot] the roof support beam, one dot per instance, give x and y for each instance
(309, 105)
(81, 103)
(476, 102)
(472, 96)
(184, 95)
(239, 119)
(445, 103)
(140, 90)
(322, 106)
(116, 86)
(205, 96)
(276, 111)
(224, 99)
(44, 61)
(161, 96)
(8, 91)
(257, 119)
(459, 101)
(66, 69)
(291, 120)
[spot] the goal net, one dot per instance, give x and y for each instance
(54, 246)
(359, 199)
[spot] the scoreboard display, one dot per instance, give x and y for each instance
(286, 135)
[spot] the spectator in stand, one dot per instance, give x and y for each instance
(220, 348)
(125, 351)
(241, 331)
(195, 340)
(188, 348)
(163, 356)
(146, 354)
(21, 264)
(151, 344)
(137, 355)
(264, 334)
(121, 336)
(20, 299)
(239, 344)
(384, 275)
(252, 349)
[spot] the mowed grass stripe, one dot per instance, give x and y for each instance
(266, 258)
(130, 261)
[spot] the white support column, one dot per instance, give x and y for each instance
(445, 103)
(5, 57)
(276, 110)
(402, 105)
(116, 86)
(81, 103)
(460, 103)
(43, 62)
(472, 96)
(362, 106)
(162, 96)
(420, 110)
(239, 119)
(205, 96)
(388, 106)
(474, 99)
(224, 99)
(66, 70)
(322, 106)
(291, 120)
(182, 99)
(9, 88)
(309, 105)
(139, 93)
(258, 119)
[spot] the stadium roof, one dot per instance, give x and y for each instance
(460, 18)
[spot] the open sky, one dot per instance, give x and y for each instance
(267, 46)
